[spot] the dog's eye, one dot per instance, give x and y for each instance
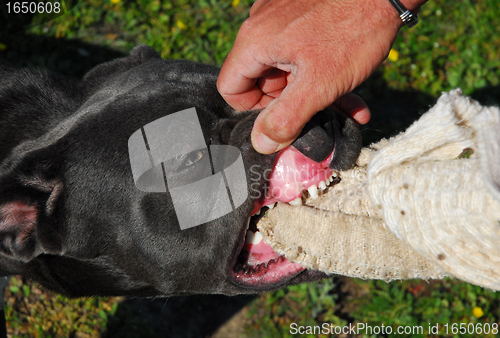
(192, 158)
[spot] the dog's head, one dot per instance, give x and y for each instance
(72, 217)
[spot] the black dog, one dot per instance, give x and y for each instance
(71, 217)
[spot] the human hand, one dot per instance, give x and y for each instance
(297, 57)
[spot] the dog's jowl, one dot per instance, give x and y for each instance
(72, 217)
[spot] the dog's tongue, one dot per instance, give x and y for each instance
(293, 173)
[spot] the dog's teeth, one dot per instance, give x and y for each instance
(270, 206)
(297, 201)
(322, 185)
(249, 237)
(253, 237)
(330, 179)
(313, 191)
(258, 213)
(257, 238)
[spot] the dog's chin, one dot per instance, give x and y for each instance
(257, 266)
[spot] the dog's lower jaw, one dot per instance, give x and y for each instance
(257, 265)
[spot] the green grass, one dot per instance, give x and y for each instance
(456, 44)
(408, 303)
(203, 32)
(33, 312)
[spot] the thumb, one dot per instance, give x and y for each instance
(281, 122)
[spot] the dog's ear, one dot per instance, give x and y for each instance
(99, 74)
(30, 194)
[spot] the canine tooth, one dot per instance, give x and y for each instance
(258, 213)
(313, 191)
(322, 185)
(270, 206)
(253, 237)
(257, 238)
(250, 237)
(297, 201)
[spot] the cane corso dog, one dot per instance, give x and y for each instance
(72, 218)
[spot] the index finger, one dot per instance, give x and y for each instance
(237, 82)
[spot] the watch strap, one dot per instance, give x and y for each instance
(408, 18)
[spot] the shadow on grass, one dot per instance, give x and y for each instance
(73, 58)
(394, 111)
(175, 317)
(487, 96)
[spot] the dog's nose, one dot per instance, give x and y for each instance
(317, 138)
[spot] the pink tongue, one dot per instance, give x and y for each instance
(259, 253)
(293, 173)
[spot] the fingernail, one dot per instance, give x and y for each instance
(264, 144)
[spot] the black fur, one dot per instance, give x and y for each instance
(71, 217)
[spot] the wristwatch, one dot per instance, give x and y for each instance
(406, 16)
